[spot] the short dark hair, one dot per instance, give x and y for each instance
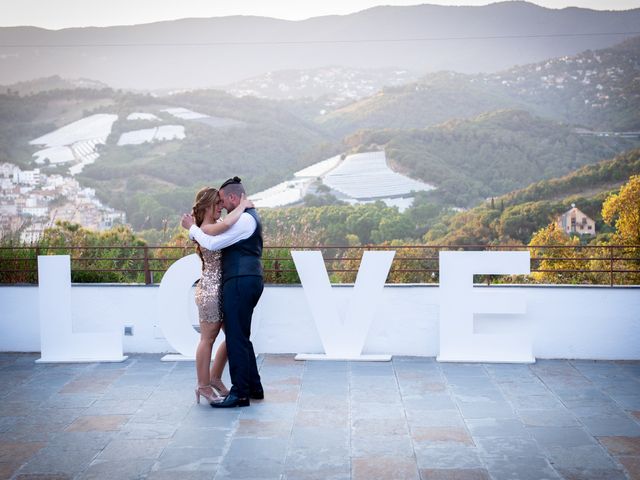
(233, 186)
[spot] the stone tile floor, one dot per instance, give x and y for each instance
(412, 418)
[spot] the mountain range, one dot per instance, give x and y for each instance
(200, 53)
(472, 135)
(596, 89)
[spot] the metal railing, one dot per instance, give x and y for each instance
(581, 264)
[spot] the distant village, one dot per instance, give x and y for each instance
(30, 202)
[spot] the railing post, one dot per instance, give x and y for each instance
(147, 273)
(37, 255)
(611, 266)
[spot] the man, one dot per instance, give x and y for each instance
(242, 286)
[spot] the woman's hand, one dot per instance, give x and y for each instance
(186, 221)
(245, 202)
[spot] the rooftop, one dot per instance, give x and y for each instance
(410, 418)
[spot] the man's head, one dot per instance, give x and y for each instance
(231, 193)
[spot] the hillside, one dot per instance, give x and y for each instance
(433, 100)
(54, 82)
(595, 89)
(335, 85)
(153, 181)
(515, 217)
(200, 53)
(490, 155)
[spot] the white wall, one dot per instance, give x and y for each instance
(569, 322)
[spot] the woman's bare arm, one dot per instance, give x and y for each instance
(229, 220)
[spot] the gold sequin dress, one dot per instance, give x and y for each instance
(209, 288)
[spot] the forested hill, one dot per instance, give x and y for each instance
(596, 89)
(490, 155)
(157, 180)
(515, 217)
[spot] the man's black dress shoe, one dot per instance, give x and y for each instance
(231, 401)
(257, 394)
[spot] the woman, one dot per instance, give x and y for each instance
(206, 214)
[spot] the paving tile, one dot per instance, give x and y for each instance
(580, 457)
(18, 452)
(263, 429)
(112, 469)
(621, 445)
(452, 370)
(441, 435)
(312, 457)
(59, 460)
(436, 401)
(529, 467)
(254, 450)
(513, 447)
(7, 469)
(212, 438)
(531, 402)
(471, 410)
(384, 445)
(43, 476)
(136, 430)
(324, 418)
(24, 432)
(114, 407)
(318, 437)
(454, 474)
(561, 436)
(125, 449)
(321, 473)
(384, 468)
(439, 457)
(184, 475)
(377, 411)
(434, 418)
(374, 426)
(584, 397)
(631, 465)
(179, 459)
(620, 425)
(497, 427)
(548, 418)
(235, 468)
(421, 387)
(628, 402)
(98, 423)
(579, 473)
(85, 440)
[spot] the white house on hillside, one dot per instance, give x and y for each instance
(576, 221)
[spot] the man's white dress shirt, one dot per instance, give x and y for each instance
(241, 230)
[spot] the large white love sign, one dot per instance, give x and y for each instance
(343, 334)
(58, 342)
(481, 324)
(174, 297)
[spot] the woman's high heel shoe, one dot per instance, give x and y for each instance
(208, 393)
(218, 386)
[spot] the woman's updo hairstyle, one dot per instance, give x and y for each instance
(205, 198)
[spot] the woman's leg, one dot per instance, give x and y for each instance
(208, 333)
(219, 362)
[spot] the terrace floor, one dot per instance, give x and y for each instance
(406, 419)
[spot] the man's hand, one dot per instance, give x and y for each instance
(187, 221)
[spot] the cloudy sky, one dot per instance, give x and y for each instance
(55, 14)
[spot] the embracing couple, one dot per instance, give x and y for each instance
(228, 291)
